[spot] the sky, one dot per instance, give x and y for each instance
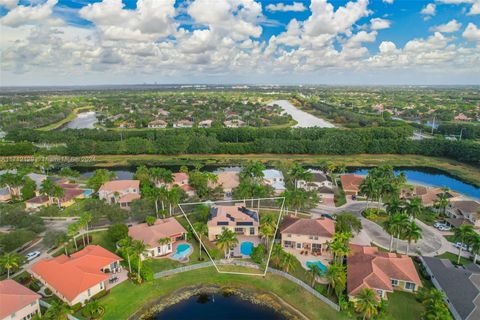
(333, 42)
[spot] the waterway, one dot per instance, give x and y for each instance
(304, 119)
(217, 306)
(84, 120)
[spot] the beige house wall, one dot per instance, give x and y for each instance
(304, 239)
(214, 231)
(26, 312)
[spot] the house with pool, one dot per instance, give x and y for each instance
(382, 272)
(308, 239)
(164, 237)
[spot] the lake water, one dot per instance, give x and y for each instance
(436, 179)
(84, 120)
(217, 306)
(304, 119)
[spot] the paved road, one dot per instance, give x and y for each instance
(432, 243)
(304, 119)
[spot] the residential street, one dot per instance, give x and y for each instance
(433, 243)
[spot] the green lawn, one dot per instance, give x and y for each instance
(127, 298)
(403, 306)
(453, 257)
(99, 238)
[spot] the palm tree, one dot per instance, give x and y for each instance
(202, 231)
(253, 171)
(368, 188)
(126, 248)
(412, 232)
(63, 239)
(394, 225)
(85, 219)
(442, 201)
(337, 278)
(10, 261)
(339, 246)
(474, 244)
(174, 195)
(139, 248)
(297, 172)
(462, 234)
(367, 303)
(314, 272)
(434, 303)
(72, 231)
(414, 208)
(51, 190)
(226, 240)
(347, 222)
(93, 310)
(150, 220)
(395, 206)
(58, 311)
(12, 182)
(288, 262)
(277, 254)
(267, 227)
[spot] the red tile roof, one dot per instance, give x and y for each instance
(38, 200)
(351, 182)
(322, 227)
(72, 275)
(119, 185)
(369, 268)
(14, 297)
(129, 197)
(163, 228)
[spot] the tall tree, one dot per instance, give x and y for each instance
(367, 303)
(139, 248)
(463, 234)
(226, 240)
(414, 208)
(52, 190)
(10, 261)
(288, 262)
(337, 278)
(347, 222)
(412, 232)
(99, 177)
(297, 172)
(125, 247)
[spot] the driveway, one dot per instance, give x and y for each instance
(431, 244)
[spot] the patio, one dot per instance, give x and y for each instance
(325, 258)
(241, 238)
(116, 279)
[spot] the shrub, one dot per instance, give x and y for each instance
(117, 232)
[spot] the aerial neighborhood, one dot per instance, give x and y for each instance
(359, 234)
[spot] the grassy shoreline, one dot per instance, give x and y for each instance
(465, 172)
(69, 118)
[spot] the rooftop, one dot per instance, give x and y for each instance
(322, 227)
(351, 181)
(236, 215)
(119, 185)
(163, 228)
(14, 297)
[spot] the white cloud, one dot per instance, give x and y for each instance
(472, 33)
(429, 10)
(296, 7)
(450, 27)
(22, 15)
(388, 1)
(475, 9)
(378, 24)
(454, 1)
(9, 4)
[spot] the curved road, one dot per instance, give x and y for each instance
(432, 243)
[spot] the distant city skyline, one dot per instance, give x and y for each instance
(329, 42)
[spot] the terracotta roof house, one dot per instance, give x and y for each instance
(275, 179)
(181, 179)
(71, 191)
(461, 285)
(77, 278)
(236, 218)
(430, 195)
(157, 124)
(228, 180)
(462, 117)
(235, 123)
(351, 183)
(183, 124)
(380, 271)
(465, 209)
(17, 302)
(168, 228)
(122, 192)
(37, 202)
(311, 235)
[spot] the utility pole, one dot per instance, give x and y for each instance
(433, 124)
(461, 131)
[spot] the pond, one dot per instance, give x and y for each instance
(84, 120)
(432, 177)
(304, 119)
(217, 306)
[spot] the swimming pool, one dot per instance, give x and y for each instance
(183, 250)
(246, 248)
(323, 268)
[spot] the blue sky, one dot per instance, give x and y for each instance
(318, 41)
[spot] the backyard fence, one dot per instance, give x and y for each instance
(285, 275)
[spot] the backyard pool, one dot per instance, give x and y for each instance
(183, 250)
(323, 268)
(246, 248)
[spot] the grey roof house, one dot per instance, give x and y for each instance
(461, 286)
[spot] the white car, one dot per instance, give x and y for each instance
(32, 255)
(438, 224)
(444, 228)
(461, 245)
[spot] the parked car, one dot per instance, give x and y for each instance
(444, 228)
(438, 224)
(461, 245)
(32, 255)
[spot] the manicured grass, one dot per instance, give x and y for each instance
(99, 238)
(126, 298)
(161, 264)
(465, 172)
(403, 306)
(453, 257)
(339, 197)
(69, 118)
(451, 238)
